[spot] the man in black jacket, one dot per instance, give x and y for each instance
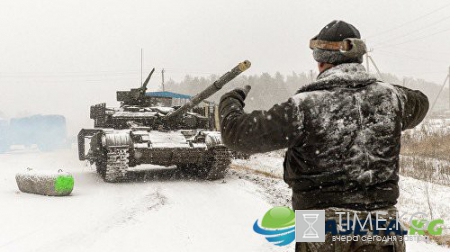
(342, 132)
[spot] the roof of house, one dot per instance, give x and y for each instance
(167, 94)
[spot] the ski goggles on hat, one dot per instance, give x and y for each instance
(350, 47)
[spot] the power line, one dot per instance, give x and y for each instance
(409, 22)
(395, 54)
(411, 32)
(368, 57)
(93, 74)
(415, 72)
(188, 71)
(66, 73)
(419, 50)
(415, 39)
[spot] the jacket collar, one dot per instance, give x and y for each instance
(344, 75)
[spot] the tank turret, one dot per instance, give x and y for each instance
(136, 96)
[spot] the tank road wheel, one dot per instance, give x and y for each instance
(188, 171)
(116, 164)
(100, 166)
(100, 163)
(215, 167)
(219, 158)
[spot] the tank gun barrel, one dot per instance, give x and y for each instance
(212, 89)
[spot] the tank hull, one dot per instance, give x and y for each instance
(115, 151)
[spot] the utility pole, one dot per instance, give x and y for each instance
(311, 76)
(404, 82)
(142, 59)
(367, 58)
(440, 91)
(162, 74)
(376, 68)
(367, 62)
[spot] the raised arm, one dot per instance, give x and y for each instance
(258, 131)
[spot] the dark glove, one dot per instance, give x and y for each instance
(238, 93)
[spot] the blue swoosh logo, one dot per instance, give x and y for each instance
(279, 237)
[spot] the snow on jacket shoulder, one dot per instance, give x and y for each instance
(342, 133)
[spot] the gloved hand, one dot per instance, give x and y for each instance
(238, 93)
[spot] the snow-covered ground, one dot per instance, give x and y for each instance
(158, 212)
(146, 215)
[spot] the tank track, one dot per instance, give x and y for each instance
(100, 167)
(116, 164)
(218, 161)
(113, 164)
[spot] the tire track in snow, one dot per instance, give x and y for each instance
(128, 214)
(271, 186)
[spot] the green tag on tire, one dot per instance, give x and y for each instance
(64, 184)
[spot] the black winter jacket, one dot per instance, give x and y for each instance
(342, 133)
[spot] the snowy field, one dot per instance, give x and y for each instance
(158, 212)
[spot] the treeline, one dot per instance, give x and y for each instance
(266, 89)
(269, 89)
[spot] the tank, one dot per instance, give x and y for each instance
(144, 130)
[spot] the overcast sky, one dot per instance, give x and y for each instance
(83, 50)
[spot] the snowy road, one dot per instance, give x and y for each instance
(153, 215)
(158, 213)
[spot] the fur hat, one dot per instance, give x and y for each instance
(336, 31)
